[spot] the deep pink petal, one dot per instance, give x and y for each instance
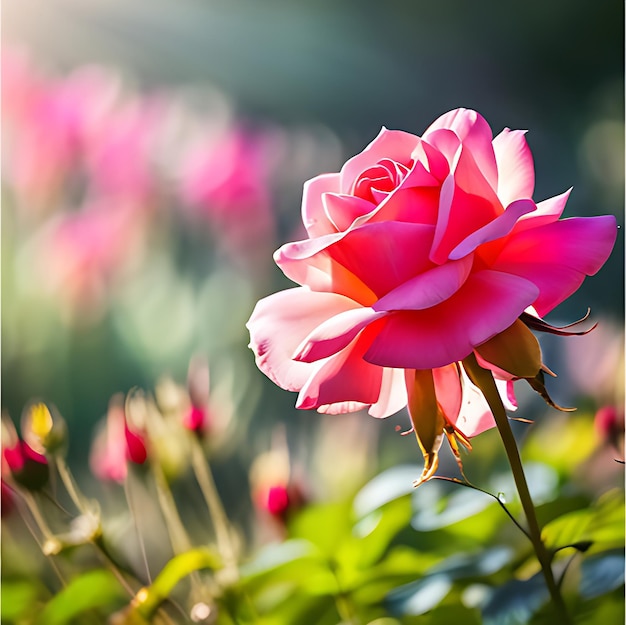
(363, 263)
(278, 324)
(581, 243)
(460, 214)
(344, 377)
(418, 205)
(334, 334)
(475, 134)
(516, 170)
(314, 216)
(555, 282)
(395, 145)
(499, 227)
(488, 303)
(449, 392)
(429, 288)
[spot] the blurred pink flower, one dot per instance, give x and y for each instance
(422, 252)
(226, 181)
(49, 124)
(27, 467)
(115, 445)
(80, 254)
(119, 155)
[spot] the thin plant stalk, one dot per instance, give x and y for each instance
(485, 382)
(205, 479)
(176, 530)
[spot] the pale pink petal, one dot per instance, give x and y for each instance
(309, 263)
(393, 394)
(314, 216)
(335, 333)
(343, 377)
(395, 145)
(547, 212)
(516, 170)
(438, 163)
(488, 303)
(475, 415)
(448, 390)
(475, 133)
(498, 228)
(342, 407)
(429, 288)
(278, 324)
(342, 210)
(506, 389)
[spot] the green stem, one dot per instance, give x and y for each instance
(204, 476)
(483, 379)
(70, 485)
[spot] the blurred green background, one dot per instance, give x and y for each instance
(315, 80)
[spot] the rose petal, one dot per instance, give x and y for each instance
(278, 324)
(449, 390)
(547, 212)
(395, 145)
(362, 262)
(516, 170)
(343, 377)
(429, 288)
(334, 334)
(475, 416)
(499, 227)
(558, 256)
(342, 210)
(460, 214)
(475, 133)
(486, 304)
(393, 394)
(314, 216)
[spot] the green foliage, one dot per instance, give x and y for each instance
(88, 595)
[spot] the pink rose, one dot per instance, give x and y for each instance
(422, 252)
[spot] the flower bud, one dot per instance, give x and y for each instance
(41, 431)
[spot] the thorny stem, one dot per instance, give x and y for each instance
(207, 485)
(485, 382)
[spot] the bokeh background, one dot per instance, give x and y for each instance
(154, 153)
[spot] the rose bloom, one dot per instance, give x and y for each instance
(423, 252)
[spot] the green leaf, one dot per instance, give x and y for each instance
(515, 602)
(602, 525)
(418, 597)
(601, 574)
(92, 590)
(148, 599)
(18, 599)
(324, 525)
